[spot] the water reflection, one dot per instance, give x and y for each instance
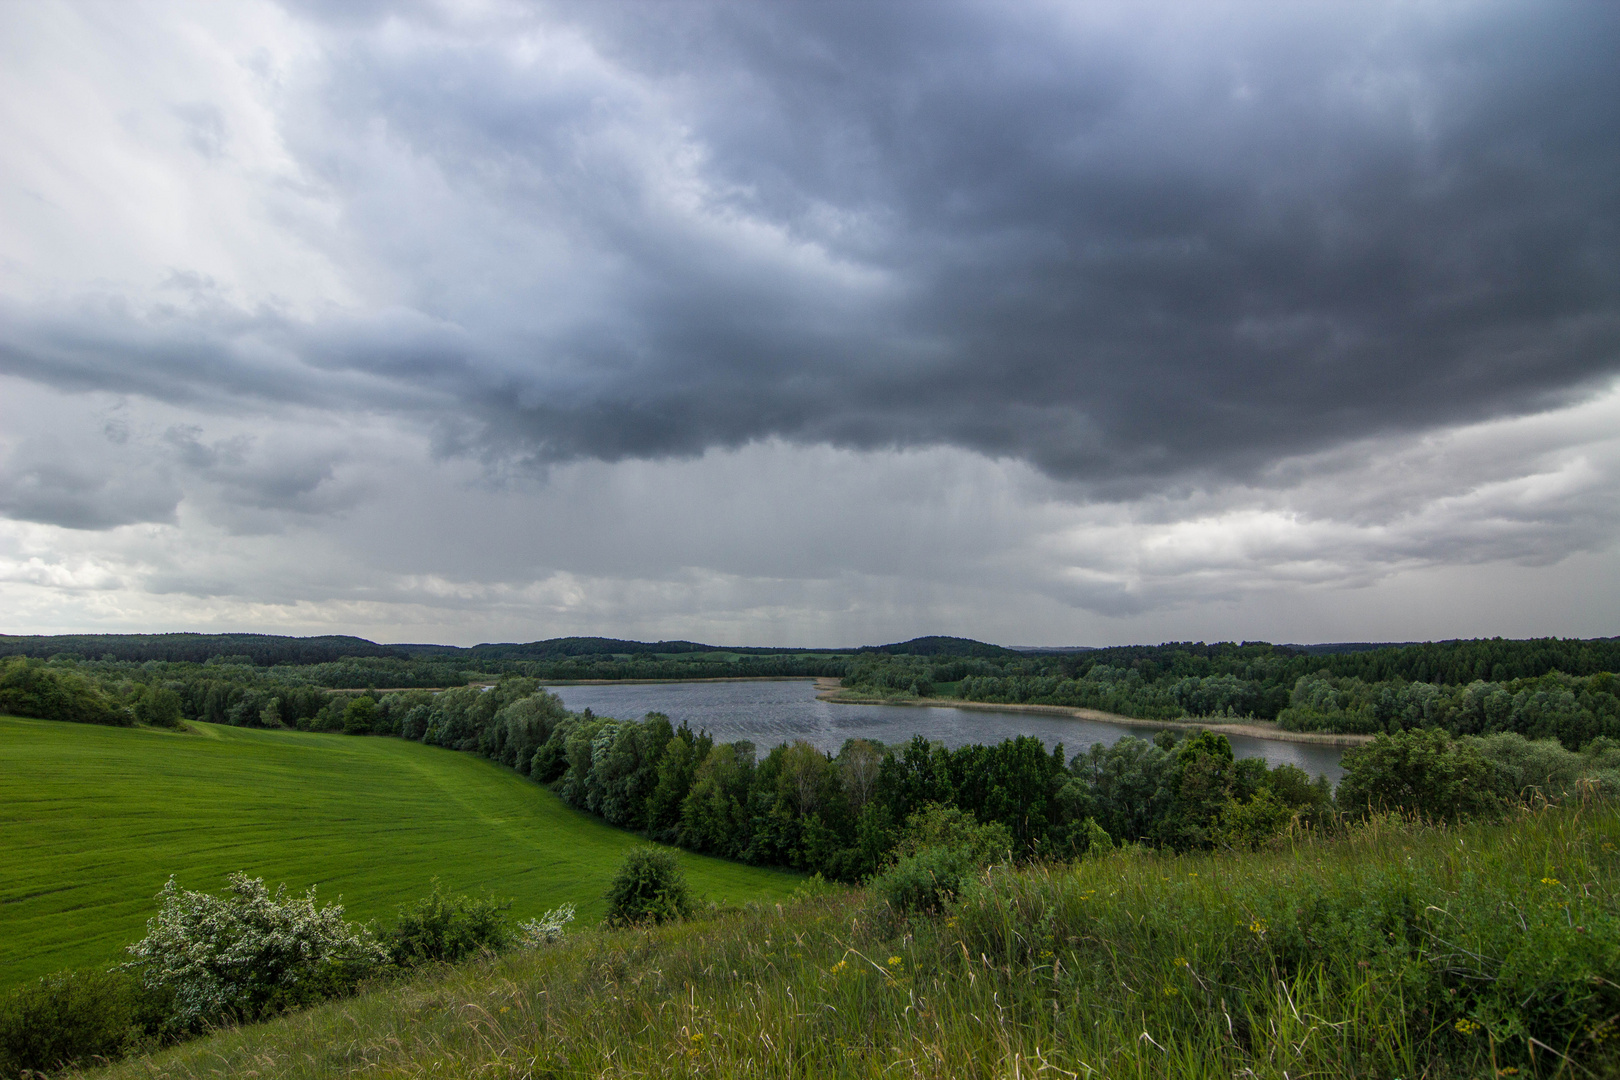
(768, 713)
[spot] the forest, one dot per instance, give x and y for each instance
(1544, 688)
(1541, 688)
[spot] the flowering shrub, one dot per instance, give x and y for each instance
(249, 953)
(545, 930)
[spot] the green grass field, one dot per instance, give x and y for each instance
(94, 820)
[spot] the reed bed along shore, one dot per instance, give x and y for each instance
(1392, 949)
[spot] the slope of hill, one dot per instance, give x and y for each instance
(93, 821)
(1381, 953)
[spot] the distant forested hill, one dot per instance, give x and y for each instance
(940, 646)
(262, 650)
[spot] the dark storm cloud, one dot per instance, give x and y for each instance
(1129, 246)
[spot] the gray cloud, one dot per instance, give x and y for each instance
(54, 481)
(1130, 246)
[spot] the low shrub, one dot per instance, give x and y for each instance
(159, 706)
(1423, 771)
(76, 1017)
(547, 929)
(939, 849)
(249, 953)
(937, 826)
(648, 888)
(1543, 767)
(926, 881)
(444, 928)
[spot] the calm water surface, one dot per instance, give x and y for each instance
(768, 713)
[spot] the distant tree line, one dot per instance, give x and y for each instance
(1545, 688)
(261, 649)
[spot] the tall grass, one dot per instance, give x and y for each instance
(1396, 950)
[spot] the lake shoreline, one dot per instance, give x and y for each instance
(830, 690)
(679, 682)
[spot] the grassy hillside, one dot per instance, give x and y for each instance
(93, 821)
(1394, 951)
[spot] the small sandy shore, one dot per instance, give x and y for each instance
(829, 689)
(650, 682)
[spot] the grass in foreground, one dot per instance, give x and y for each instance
(1393, 952)
(94, 820)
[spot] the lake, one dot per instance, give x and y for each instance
(768, 713)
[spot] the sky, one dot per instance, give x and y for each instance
(811, 323)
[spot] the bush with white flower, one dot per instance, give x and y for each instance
(250, 952)
(545, 930)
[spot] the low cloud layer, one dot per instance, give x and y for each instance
(804, 322)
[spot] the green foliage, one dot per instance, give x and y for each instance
(1527, 768)
(1093, 839)
(1248, 826)
(76, 1017)
(262, 649)
(1539, 688)
(1424, 772)
(937, 852)
(248, 953)
(714, 814)
(937, 826)
(650, 887)
(445, 928)
(1542, 688)
(359, 716)
(925, 882)
(159, 706)
(29, 688)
